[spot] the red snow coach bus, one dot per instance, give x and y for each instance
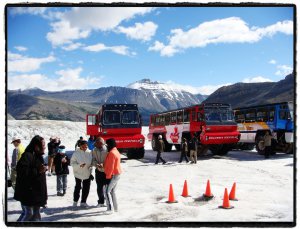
(213, 124)
(121, 122)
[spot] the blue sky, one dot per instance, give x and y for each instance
(198, 48)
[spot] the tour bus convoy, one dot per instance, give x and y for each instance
(254, 121)
(121, 122)
(213, 124)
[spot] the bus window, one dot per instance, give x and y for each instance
(130, 117)
(112, 117)
(167, 119)
(173, 117)
(152, 120)
(283, 115)
(250, 115)
(194, 117)
(239, 116)
(91, 120)
(271, 114)
(186, 116)
(262, 115)
(179, 116)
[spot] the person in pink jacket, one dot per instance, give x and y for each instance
(112, 169)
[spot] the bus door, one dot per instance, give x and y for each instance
(91, 124)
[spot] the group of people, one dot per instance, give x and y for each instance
(29, 173)
(186, 147)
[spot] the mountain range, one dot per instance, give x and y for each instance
(151, 97)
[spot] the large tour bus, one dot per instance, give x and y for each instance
(213, 124)
(121, 122)
(254, 121)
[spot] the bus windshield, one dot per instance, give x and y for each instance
(111, 117)
(130, 117)
(218, 114)
(291, 108)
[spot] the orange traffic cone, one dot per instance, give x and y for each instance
(185, 192)
(226, 204)
(171, 196)
(208, 195)
(232, 192)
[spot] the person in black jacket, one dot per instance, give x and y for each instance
(61, 162)
(31, 186)
(52, 150)
(184, 150)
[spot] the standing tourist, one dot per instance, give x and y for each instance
(16, 155)
(160, 148)
(31, 187)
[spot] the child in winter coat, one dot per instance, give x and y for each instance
(61, 162)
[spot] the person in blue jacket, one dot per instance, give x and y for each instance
(91, 142)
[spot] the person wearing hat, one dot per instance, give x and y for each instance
(112, 169)
(16, 155)
(99, 154)
(81, 162)
(160, 148)
(61, 162)
(184, 150)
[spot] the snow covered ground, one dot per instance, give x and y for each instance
(264, 188)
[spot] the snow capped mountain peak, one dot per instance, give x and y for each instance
(154, 85)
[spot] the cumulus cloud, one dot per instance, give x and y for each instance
(228, 30)
(257, 79)
(72, 46)
(122, 50)
(19, 63)
(80, 21)
(272, 62)
(27, 10)
(67, 79)
(20, 48)
(203, 90)
(283, 70)
(63, 33)
(140, 31)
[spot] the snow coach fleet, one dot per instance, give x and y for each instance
(121, 122)
(213, 124)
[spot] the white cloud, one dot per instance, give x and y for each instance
(203, 90)
(21, 48)
(68, 79)
(63, 33)
(141, 31)
(80, 21)
(102, 18)
(72, 46)
(283, 70)
(228, 30)
(19, 63)
(257, 79)
(122, 50)
(27, 10)
(272, 62)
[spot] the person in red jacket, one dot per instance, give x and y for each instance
(112, 169)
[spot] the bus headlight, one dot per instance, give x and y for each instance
(141, 141)
(206, 138)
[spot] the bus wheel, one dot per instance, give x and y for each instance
(259, 145)
(177, 147)
(168, 147)
(140, 153)
(247, 146)
(135, 153)
(216, 149)
(289, 149)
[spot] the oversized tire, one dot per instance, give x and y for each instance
(259, 145)
(247, 146)
(215, 149)
(135, 153)
(168, 147)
